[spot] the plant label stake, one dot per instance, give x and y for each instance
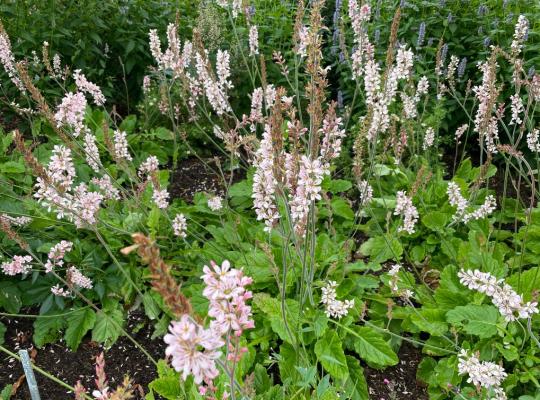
(29, 373)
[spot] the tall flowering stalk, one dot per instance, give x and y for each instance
(56, 191)
(485, 124)
(457, 200)
(405, 208)
(194, 349)
(483, 374)
(510, 304)
(8, 60)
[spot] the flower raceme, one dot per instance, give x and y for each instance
(55, 257)
(457, 200)
(16, 221)
(510, 304)
(215, 203)
(194, 349)
(405, 208)
(226, 291)
(482, 373)
(56, 192)
(333, 307)
(179, 225)
(18, 265)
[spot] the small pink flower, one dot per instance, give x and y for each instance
(18, 265)
(193, 349)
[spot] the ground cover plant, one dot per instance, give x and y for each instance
(358, 207)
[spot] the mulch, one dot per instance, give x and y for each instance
(123, 358)
(194, 175)
(398, 382)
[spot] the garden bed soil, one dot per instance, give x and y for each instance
(194, 175)
(398, 382)
(123, 358)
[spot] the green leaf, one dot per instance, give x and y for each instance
(163, 134)
(435, 220)
(108, 326)
(382, 248)
(509, 352)
(12, 167)
(430, 320)
(78, 324)
(240, 189)
(3, 330)
(475, 320)
(525, 282)
(10, 297)
(168, 387)
(262, 379)
(151, 308)
(153, 219)
(355, 387)
(128, 124)
(47, 329)
(5, 394)
(287, 361)
(371, 346)
(339, 186)
(341, 208)
(272, 308)
(425, 370)
(330, 354)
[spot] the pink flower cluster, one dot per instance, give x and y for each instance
(57, 193)
(148, 168)
(121, 151)
(520, 33)
(150, 165)
(405, 208)
(332, 133)
(56, 255)
(253, 40)
(196, 350)
(91, 151)
(334, 308)
(179, 225)
(8, 61)
(16, 221)
(364, 50)
(308, 190)
(161, 198)
(18, 265)
(76, 277)
(106, 187)
(511, 305)
(85, 86)
(71, 112)
(410, 102)
(226, 291)
(456, 199)
(380, 98)
(533, 142)
(265, 183)
(194, 69)
(215, 203)
(484, 123)
(482, 373)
